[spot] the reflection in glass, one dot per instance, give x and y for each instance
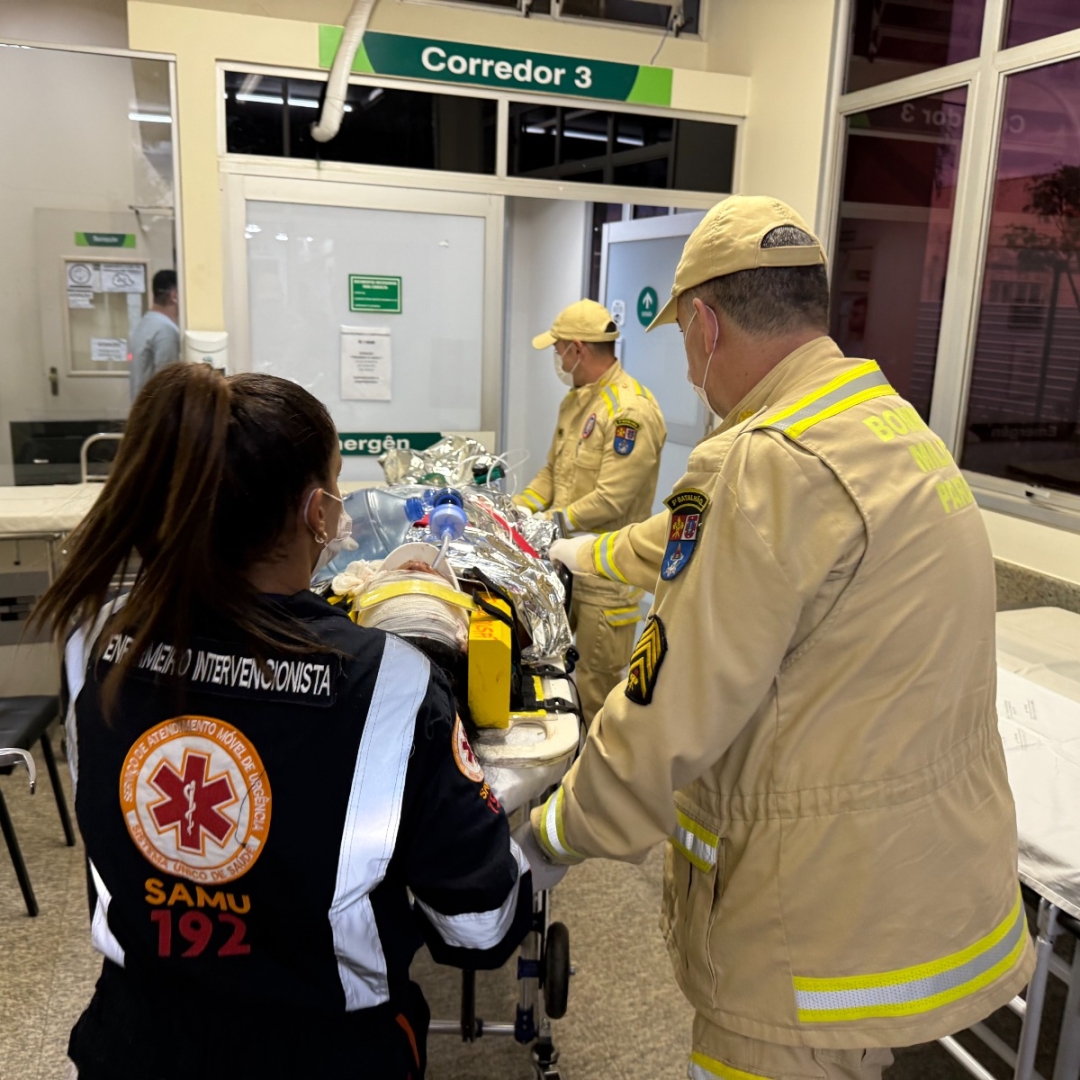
(1024, 400)
(896, 217)
(594, 146)
(1030, 20)
(891, 39)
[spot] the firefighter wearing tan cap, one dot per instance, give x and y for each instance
(809, 717)
(600, 474)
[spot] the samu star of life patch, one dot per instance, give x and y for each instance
(686, 509)
(625, 435)
(645, 662)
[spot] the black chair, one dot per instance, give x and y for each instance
(24, 721)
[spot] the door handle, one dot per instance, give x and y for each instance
(54, 382)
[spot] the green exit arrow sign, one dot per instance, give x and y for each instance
(648, 304)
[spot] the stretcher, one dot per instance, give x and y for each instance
(46, 513)
(519, 689)
(522, 763)
(1038, 703)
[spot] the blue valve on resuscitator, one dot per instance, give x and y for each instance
(447, 518)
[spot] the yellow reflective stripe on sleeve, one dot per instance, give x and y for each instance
(570, 517)
(610, 401)
(624, 616)
(695, 842)
(552, 835)
(604, 558)
(707, 1068)
(914, 990)
(845, 391)
(533, 499)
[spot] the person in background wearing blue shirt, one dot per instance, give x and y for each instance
(155, 341)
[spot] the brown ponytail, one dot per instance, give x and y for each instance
(208, 475)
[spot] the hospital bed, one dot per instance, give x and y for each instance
(1039, 718)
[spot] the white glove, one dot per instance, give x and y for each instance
(524, 511)
(575, 554)
(545, 873)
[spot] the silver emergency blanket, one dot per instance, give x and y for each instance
(380, 524)
(451, 457)
(537, 592)
(1038, 703)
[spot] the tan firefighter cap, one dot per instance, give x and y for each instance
(729, 238)
(584, 321)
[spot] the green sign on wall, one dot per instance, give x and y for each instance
(505, 69)
(648, 304)
(105, 239)
(374, 443)
(374, 292)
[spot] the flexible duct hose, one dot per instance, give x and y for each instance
(334, 103)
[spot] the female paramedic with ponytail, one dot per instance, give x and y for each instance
(259, 780)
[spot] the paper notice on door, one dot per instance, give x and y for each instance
(81, 275)
(365, 363)
(105, 350)
(134, 310)
(80, 298)
(123, 278)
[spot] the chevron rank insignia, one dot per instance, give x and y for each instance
(645, 662)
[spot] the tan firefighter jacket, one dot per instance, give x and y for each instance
(601, 469)
(810, 718)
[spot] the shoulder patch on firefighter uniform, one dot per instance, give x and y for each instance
(686, 509)
(625, 435)
(645, 662)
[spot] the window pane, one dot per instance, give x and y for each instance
(896, 216)
(381, 126)
(890, 40)
(553, 142)
(630, 11)
(1030, 20)
(1024, 401)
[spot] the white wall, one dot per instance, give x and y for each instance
(1037, 547)
(545, 272)
(66, 22)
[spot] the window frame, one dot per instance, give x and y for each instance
(985, 78)
(498, 183)
(556, 16)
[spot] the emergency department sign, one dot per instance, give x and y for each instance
(196, 799)
(506, 69)
(686, 509)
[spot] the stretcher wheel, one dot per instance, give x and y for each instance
(556, 970)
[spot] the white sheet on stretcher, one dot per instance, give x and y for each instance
(1038, 705)
(47, 508)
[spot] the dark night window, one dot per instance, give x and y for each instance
(592, 146)
(272, 116)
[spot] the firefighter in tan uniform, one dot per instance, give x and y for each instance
(600, 474)
(809, 717)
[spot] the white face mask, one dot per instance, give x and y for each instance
(703, 397)
(565, 377)
(342, 540)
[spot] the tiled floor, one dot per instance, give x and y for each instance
(627, 1020)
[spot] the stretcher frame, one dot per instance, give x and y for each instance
(1052, 921)
(531, 1024)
